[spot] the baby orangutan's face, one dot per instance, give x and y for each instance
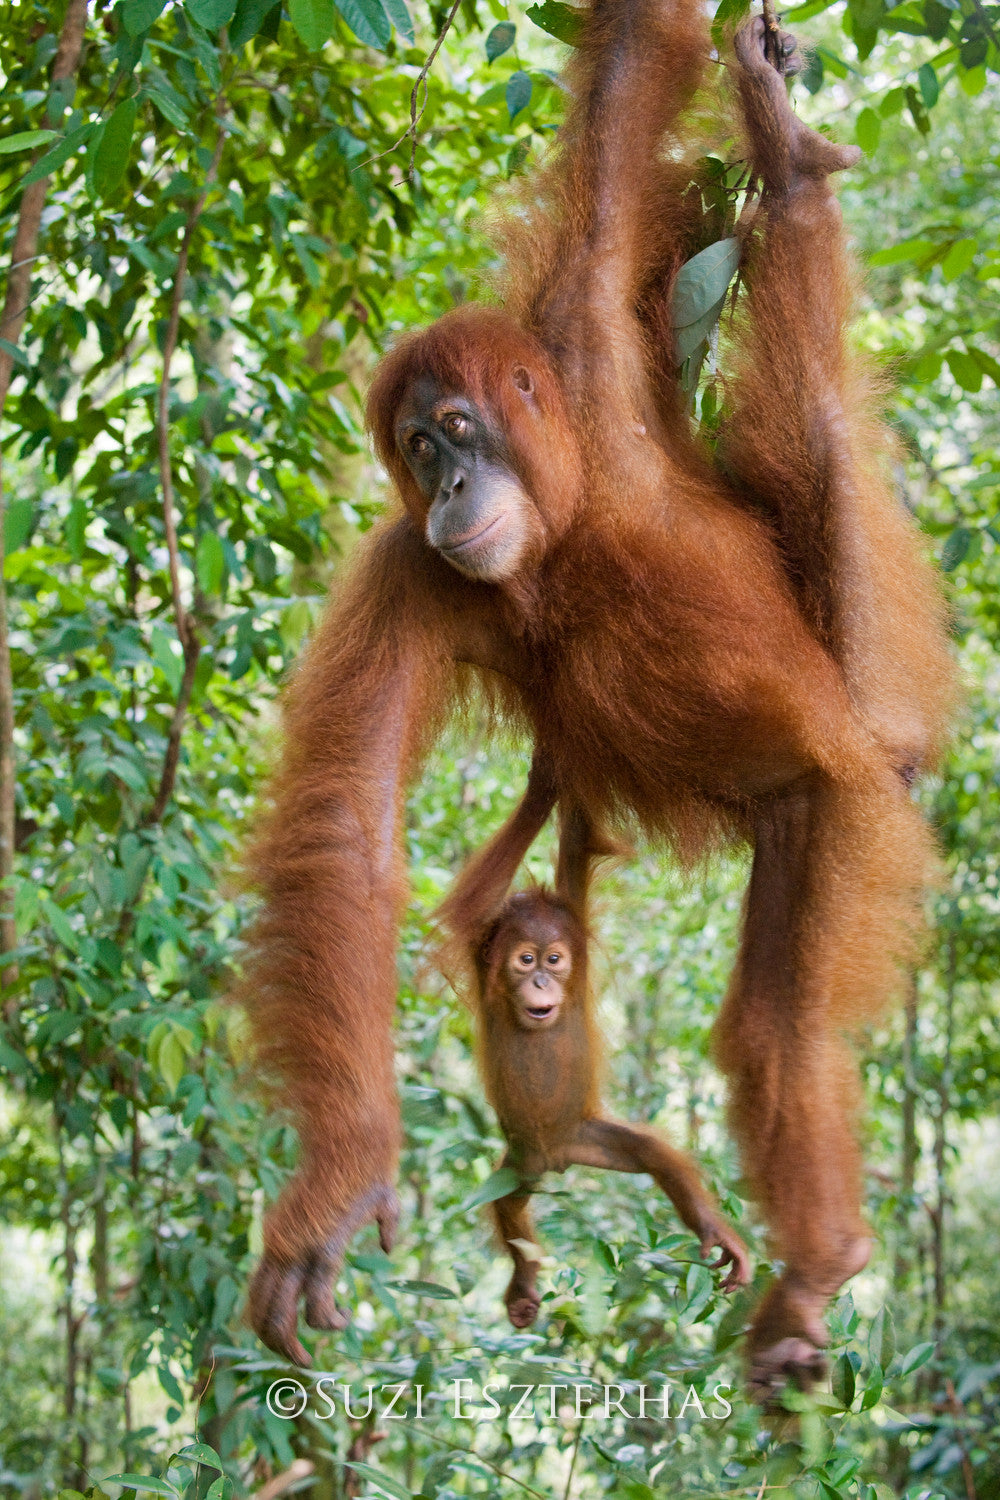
(538, 967)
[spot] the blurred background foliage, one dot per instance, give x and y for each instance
(265, 147)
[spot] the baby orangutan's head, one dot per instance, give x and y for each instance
(531, 955)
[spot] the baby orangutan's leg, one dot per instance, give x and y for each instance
(516, 1230)
(630, 1148)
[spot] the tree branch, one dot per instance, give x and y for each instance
(186, 633)
(15, 307)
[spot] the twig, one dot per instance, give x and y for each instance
(487, 1463)
(15, 306)
(772, 37)
(417, 115)
(186, 634)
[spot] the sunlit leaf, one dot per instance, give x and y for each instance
(501, 1182)
(916, 249)
(399, 15)
(139, 15)
(211, 14)
(867, 129)
(367, 20)
(929, 86)
(313, 21)
(26, 140)
(112, 154)
(384, 1483)
(882, 1338)
(564, 22)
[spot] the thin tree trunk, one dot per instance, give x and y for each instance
(909, 1147)
(15, 310)
(941, 1144)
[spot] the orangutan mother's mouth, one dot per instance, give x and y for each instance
(470, 541)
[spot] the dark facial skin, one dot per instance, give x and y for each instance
(538, 966)
(479, 517)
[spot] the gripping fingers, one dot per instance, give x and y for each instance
(273, 1308)
(732, 1252)
(321, 1306)
(382, 1205)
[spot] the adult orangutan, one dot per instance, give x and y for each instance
(743, 648)
(538, 1043)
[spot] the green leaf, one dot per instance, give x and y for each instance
(952, 553)
(499, 1183)
(210, 562)
(500, 40)
(144, 1482)
(918, 1356)
(400, 17)
(367, 20)
(882, 1339)
(906, 250)
(139, 15)
(26, 140)
(844, 1379)
(806, 12)
(313, 21)
(564, 22)
(424, 1289)
(966, 371)
(170, 662)
(973, 82)
(693, 335)
(727, 17)
(873, 1388)
(961, 254)
(929, 86)
(517, 93)
(201, 1453)
(247, 19)
(915, 105)
(385, 1484)
(211, 14)
(171, 1061)
(221, 1488)
(703, 281)
(986, 363)
(811, 76)
(59, 154)
(112, 155)
(17, 355)
(296, 622)
(867, 129)
(17, 524)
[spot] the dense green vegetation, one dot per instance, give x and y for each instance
(267, 150)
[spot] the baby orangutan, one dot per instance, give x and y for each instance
(538, 1043)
